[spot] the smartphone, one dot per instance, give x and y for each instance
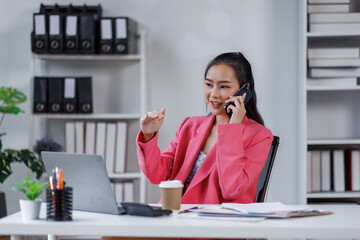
(245, 88)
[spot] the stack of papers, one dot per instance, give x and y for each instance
(267, 210)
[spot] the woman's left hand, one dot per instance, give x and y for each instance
(238, 111)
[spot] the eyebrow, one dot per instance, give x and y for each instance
(221, 81)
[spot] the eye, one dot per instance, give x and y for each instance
(208, 84)
(224, 86)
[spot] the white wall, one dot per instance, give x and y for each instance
(182, 38)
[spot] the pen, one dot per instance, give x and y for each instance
(188, 210)
(54, 178)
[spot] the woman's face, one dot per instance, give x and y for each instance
(220, 83)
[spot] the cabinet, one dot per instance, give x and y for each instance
(329, 116)
(119, 94)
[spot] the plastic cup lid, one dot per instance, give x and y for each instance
(171, 184)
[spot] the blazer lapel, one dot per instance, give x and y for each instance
(194, 147)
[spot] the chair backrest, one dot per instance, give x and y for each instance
(262, 185)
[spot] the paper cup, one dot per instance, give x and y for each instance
(171, 192)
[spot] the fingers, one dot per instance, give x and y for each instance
(154, 115)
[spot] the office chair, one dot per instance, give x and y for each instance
(262, 185)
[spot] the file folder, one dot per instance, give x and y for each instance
(85, 102)
(106, 36)
(55, 33)
(70, 98)
(125, 36)
(87, 33)
(55, 98)
(40, 95)
(39, 43)
(71, 34)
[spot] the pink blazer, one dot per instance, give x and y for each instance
(230, 171)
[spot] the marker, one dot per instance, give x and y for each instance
(61, 179)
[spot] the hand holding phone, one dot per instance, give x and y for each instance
(245, 88)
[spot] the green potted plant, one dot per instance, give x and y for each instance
(10, 98)
(30, 208)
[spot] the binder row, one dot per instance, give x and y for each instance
(63, 95)
(108, 139)
(81, 30)
(335, 170)
(124, 191)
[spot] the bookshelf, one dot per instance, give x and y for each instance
(329, 114)
(119, 94)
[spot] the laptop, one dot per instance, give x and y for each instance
(86, 174)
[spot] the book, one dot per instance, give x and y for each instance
(355, 170)
(70, 137)
(333, 82)
(352, 17)
(119, 192)
(325, 171)
(90, 134)
(334, 72)
(110, 147)
(328, 8)
(352, 28)
(79, 136)
(100, 139)
(128, 191)
(120, 157)
(335, 62)
(309, 173)
(316, 170)
(333, 53)
(339, 171)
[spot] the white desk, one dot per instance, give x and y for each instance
(344, 223)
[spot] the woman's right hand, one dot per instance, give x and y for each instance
(151, 122)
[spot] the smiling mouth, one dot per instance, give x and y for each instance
(216, 104)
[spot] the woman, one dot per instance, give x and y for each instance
(217, 157)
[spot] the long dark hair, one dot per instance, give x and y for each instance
(243, 72)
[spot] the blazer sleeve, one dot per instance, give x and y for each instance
(238, 167)
(156, 165)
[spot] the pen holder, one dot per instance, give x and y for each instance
(59, 204)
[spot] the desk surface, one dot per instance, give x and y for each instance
(344, 223)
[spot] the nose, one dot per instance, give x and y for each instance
(215, 92)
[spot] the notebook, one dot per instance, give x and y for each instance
(86, 174)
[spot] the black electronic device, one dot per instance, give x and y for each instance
(140, 209)
(245, 88)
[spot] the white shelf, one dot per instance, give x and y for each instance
(333, 141)
(333, 88)
(312, 34)
(99, 116)
(334, 195)
(95, 57)
(125, 176)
